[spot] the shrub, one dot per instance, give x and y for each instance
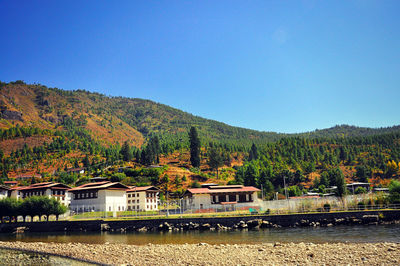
(360, 190)
(394, 191)
(196, 184)
(327, 207)
(117, 177)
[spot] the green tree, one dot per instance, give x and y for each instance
(215, 159)
(253, 154)
(294, 191)
(362, 173)
(117, 177)
(394, 192)
(340, 182)
(9, 207)
(194, 147)
(126, 152)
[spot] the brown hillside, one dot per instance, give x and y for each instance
(30, 105)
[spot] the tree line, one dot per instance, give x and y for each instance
(32, 206)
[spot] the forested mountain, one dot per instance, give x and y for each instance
(48, 130)
(116, 119)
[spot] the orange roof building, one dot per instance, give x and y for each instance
(217, 197)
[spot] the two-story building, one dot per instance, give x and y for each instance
(50, 189)
(99, 196)
(142, 198)
(221, 197)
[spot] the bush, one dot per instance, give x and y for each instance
(394, 192)
(327, 207)
(360, 190)
(196, 184)
(117, 177)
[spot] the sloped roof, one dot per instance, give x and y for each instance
(45, 185)
(5, 187)
(221, 189)
(138, 189)
(100, 185)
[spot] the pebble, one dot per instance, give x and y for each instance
(207, 254)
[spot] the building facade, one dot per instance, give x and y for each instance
(4, 192)
(50, 189)
(99, 196)
(142, 198)
(221, 197)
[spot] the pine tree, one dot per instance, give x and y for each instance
(215, 159)
(253, 154)
(194, 147)
(126, 152)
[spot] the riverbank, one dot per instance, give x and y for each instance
(204, 254)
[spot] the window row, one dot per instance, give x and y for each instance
(85, 195)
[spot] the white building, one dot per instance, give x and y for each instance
(221, 197)
(50, 189)
(99, 196)
(142, 198)
(4, 192)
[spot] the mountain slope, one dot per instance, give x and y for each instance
(116, 119)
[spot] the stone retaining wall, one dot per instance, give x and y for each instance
(218, 223)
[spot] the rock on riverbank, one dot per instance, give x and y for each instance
(242, 254)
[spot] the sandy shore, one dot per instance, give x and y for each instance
(204, 254)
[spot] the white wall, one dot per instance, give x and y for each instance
(143, 205)
(205, 199)
(115, 200)
(3, 193)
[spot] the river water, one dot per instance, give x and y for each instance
(353, 234)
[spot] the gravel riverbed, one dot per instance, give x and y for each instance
(236, 254)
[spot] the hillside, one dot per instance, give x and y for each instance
(48, 131)
(117, 119)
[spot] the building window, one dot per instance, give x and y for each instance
(137, 194)
(129, 195)
(129, 202)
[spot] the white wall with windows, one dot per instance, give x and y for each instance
(142, 201)
(98, 200)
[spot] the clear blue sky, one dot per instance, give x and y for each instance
(286, 66)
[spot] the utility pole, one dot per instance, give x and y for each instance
(286, 193)
(262, 193)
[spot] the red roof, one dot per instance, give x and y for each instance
(45, 185)
(222, 189)
(101, 185)
(138, 189)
